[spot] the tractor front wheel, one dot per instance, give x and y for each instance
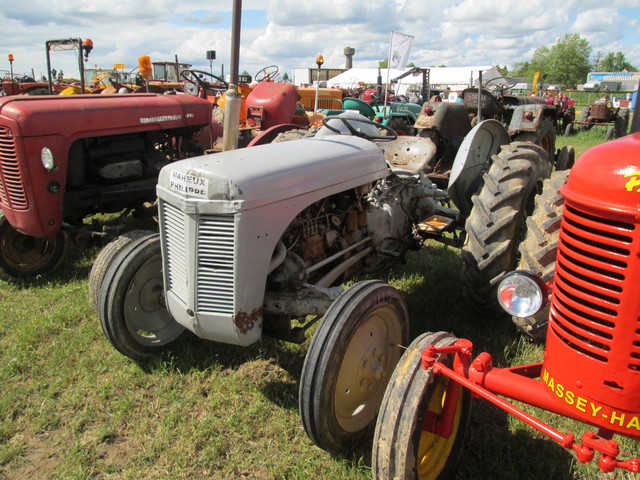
(131, 305)
(106, 257)
(350, 361)
(404, 445)
(496, 224)
(24, 256)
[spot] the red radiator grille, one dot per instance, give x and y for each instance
(12, 192)
(592, 284)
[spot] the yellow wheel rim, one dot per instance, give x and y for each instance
(434, 450)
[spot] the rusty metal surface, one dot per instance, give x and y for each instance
(409, 154)
(248, 321)
(526, 118)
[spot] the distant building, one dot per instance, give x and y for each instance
(613, 81)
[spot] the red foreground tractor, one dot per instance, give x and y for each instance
(64, 158)
(591, 367)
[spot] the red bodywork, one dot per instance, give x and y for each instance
(591, 367)
(32, 198)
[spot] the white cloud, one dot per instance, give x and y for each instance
(453, 32)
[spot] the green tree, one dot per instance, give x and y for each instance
(285, 77)
(503, 70)
(615, 62)
(566, 62)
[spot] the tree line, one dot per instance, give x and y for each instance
(568, 62)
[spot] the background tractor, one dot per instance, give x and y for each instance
(591, 366)
(65, 158)
(603, 113)
(258, 242)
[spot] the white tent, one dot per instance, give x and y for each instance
(454, 78)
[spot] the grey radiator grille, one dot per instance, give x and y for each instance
(216, 240)
(174, 222)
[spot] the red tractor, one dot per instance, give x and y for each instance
(591, 367)
(64, 158)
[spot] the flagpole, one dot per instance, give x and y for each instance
(388, 73)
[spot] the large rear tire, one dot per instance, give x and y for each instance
(402, 447)
(545, 136)
(539, 247)
(584, 119)
(350, 360)
(622, 123)
(24, 256)
(496, 224)
(131, 306)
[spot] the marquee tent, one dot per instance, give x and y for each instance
(454, 78)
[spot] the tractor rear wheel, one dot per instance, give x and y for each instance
(545, 136)
(610, 133)
(584, 118)
(402, 446)
(539, 247)
(24, 256)
(622, 122)
(350, 360)
(496, 224)
(131, 306)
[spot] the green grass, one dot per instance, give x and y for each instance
(71, 407)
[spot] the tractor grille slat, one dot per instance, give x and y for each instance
(590, 281)
(174, 222)
(12, 192)
(215, 270)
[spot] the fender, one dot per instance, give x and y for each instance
(474, 155)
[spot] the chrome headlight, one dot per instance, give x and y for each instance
(46, 157)
(522, 294)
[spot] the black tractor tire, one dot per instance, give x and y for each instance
(402, 448)
(545, 136)
(496, 224)
(622, 122)
(349, 362)
(539, 247)
(568, 132)
(583, 119)
(106, 257)
(24, 256)
(610, 133)
(131, 307)
(565, 158)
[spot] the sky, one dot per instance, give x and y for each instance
(291, 33)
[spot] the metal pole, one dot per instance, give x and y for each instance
(479, 97)
(233, 100)
(81, 64)
(635, 122)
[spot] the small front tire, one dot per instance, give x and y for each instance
(131, 306)
(402, 447)
(24, 256)
(350, 361)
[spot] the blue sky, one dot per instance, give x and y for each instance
(290, 33)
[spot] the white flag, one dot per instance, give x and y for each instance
(399, 51)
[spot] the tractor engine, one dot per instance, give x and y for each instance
(592, 358)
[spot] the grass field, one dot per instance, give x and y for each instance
(71, 407)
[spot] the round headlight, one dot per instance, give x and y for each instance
(522, 294)
(46, 157)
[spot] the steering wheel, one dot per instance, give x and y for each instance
(502, 87)
(268, 73)
(347, 123)
(194, 77)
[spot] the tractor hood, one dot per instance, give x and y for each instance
(228, 182)
(66, 115)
